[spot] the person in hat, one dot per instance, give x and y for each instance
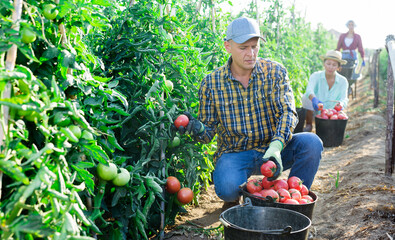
(248, 104)
(350, 41)
(327, 87)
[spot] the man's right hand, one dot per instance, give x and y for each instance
(315, 102)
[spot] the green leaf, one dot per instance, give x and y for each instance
(104, 3)
(11, 169)
(50, 53)
(96, 152)
(85, 176)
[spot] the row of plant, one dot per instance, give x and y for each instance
(93, 95)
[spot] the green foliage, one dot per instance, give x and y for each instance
(101, 65)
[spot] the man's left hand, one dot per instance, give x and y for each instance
(273, 153)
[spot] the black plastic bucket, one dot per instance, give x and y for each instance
(305, 209)
(301, 116)
(331, 132)
(348, 68)
(256, 223)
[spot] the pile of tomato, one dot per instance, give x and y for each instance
(332, 114)
(287, 191)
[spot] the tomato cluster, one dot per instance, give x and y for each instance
(110, 173)
(287, 191)
(332, 114)
(184, 195)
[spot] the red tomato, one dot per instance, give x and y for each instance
(283, 194)
(280, 183)
(291, 201)
(253, 186)
(334, 117)
(295, 182)
(295, 194)
(185, 195)
(304, 190)
(308, 197)
(257, 194)
(268, 168)
(338, 107)
(172, 185)
(271, 193)
(320, 106)
(266, 184)
(303, 201)
(181, 120)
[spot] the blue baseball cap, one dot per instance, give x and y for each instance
(242, 29)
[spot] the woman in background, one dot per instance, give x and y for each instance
(350, 41)
(325, 87)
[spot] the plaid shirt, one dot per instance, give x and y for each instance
(247, 118)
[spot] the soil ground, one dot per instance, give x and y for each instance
(362, 206)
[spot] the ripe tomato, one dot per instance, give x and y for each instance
(28, 36)
(270, 193)
(295, 194)
(122, 178)
(291, 201)
(181, 120)
(253, 186)
(308, 198)
(49, 13)
(304, 190)
(172, 185)
(303, 201)
(266, 184)
(280, 183)
(185, 195)
(107, 173)
(283, 194)
(334, 117)
(338, 107)
(320, 106)
(295, 182)
(268, 168)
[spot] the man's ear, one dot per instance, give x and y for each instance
(227, 46)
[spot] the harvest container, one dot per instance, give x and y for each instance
(255, 223)
(330, 131)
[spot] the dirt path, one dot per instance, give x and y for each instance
(361, 207)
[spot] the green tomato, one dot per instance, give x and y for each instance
(122, 178)
(28, 36)
(175, 143)
(49, 13)
(76, 131)
(169, 85)
(87, 135)
(107, 173)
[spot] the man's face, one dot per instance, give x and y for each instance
(243, 54)
(331, 66)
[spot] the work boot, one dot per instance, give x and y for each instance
(309, 121)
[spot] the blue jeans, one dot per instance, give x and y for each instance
(302, 155)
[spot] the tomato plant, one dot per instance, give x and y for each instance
(185, 195)
(172, 185)
(268, 168)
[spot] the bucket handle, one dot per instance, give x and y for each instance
(286, 231)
